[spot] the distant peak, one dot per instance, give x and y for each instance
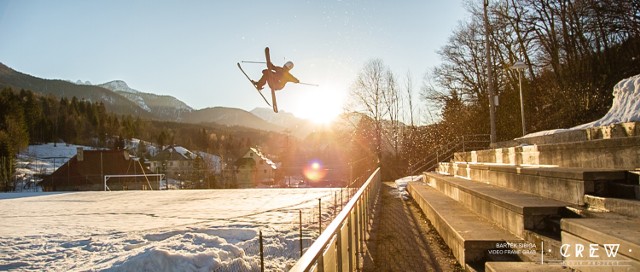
(118, 85)
(80, 82)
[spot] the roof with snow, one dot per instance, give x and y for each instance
(263, 157)
(174, 153)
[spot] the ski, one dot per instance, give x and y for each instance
(265, 99)
(273, 92)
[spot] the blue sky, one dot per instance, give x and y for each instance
(188, 49)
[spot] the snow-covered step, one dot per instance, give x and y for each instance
(510, 209)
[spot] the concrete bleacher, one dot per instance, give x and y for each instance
(468, 235)
(567, 184)
(530, 207)
(512, 210)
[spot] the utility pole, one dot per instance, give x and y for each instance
(492, 105)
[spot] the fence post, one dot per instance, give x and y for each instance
(335, 204)
(359, 235)
(261, 253)
(300, 212)
(319, 216)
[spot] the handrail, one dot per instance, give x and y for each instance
(447, 151)
(360, 200)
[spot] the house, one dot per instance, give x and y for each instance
(255, 170)
(174, 161)
(87, 169)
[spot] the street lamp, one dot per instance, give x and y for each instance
(519, 66)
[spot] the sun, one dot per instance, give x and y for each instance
(320, 105)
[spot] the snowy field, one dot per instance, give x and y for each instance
(189, 230)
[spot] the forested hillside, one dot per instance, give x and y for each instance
(574, 52)
(29, 118)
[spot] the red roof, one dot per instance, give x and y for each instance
(90, 170)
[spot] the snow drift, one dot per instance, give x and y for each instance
(625, 108)
(182, 230)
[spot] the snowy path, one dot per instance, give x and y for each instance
(161, 231)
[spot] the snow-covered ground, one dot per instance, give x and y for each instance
(189, 230)
(401, 184)
(625, 108)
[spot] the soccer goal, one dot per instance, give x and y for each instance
(146, 176)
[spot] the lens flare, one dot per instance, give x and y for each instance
(314, 171)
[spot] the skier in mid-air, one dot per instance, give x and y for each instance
(277, 76)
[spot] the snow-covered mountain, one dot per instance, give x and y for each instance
(80, 82)
(113, 102)
(164, 106)
(118, 86)
(120, 98)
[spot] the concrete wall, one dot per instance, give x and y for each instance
(617, 153)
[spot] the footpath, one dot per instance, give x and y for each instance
(402, 239)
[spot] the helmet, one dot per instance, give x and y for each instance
(289, 65)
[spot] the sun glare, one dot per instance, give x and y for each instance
(321, 106)
(314, 171)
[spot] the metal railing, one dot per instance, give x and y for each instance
(340, 246)
(445, 152)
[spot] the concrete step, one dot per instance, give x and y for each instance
(548, 244)
(469, 236)
(524, 267)
(510, 209)
(612, 153)
(601, 244)
(625, 207)
(567, 184)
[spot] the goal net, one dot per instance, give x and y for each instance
(146, 184)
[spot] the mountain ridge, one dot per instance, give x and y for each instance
(230, 117)
(163, 106)
(10, 78)
(120, 98)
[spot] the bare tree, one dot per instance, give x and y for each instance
(409, 89)
(368, 93)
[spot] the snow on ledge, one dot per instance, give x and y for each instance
(625, 108)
